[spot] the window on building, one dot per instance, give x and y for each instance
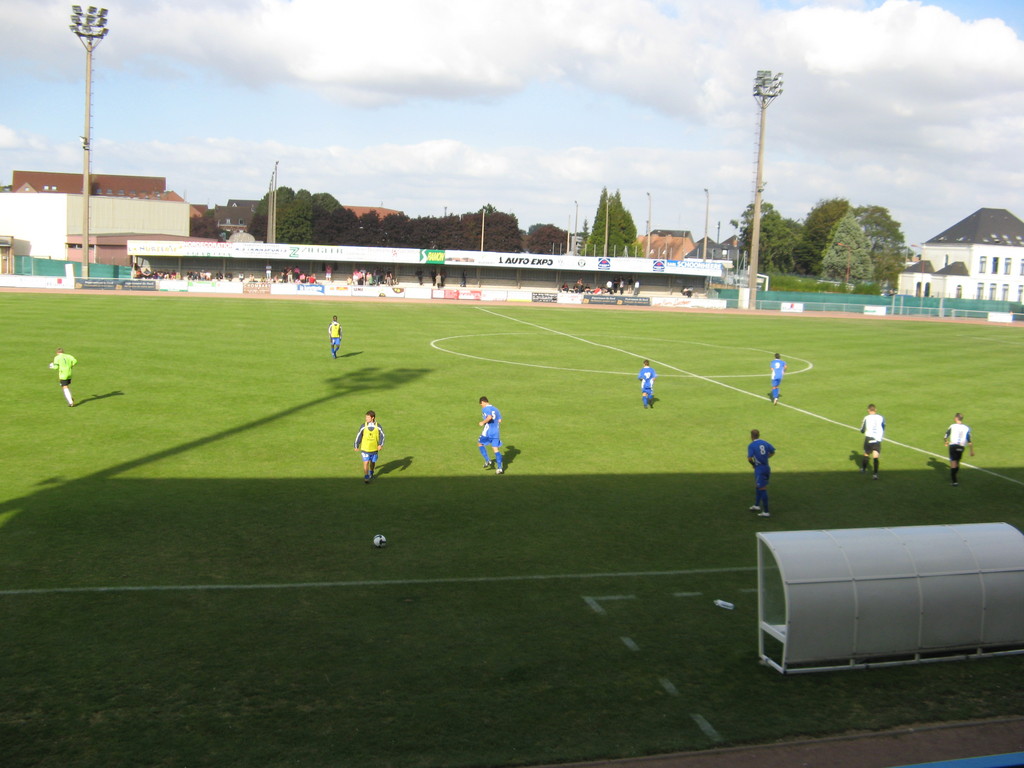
(982, 264)
(1006, 265)
(992, 291)
(1020, 294)
(995, 265)
(959, 291)
(1006, 292)
(981, 291)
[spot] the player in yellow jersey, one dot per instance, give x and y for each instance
(369, 441)
(334, 336)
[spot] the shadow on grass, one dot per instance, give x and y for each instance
(395, 465)
(177, 595)
(509, 455)
(93, 398)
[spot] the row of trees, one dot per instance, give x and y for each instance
(836, 240)
(319, 219)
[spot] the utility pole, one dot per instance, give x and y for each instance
(272, 207)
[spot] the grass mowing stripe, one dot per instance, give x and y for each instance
(749, 394)
(372, 583)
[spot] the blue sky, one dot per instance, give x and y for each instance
(535, 105)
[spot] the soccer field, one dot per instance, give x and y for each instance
(186, 570)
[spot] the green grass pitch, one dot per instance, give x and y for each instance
(186, 569)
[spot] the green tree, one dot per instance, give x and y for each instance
(888, 244)
(777, 240)
(295, 218)
(848, 257)
(816, 238)
(546, 238)
(621, 229)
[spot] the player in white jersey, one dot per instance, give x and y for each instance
(873, 427)
(958, 437)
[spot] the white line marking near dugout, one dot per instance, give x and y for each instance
(628, 642)
(595, 602)
(748, 394)
(706, 728)
(363, 583)
(670, 689)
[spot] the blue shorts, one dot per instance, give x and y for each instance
(776, 382)
(370, 456)
(762, 474)
(494, 442)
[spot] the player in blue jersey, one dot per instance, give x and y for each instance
(758, 453)
(958, 437)
(647, 377)
(334, 335)
(778, 366)
(491, 435)
(873, 427)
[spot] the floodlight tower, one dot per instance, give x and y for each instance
(90, 27)
(767, 87)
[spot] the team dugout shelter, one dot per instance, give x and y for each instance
(271, 267)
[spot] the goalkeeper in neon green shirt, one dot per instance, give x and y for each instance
(64, 362)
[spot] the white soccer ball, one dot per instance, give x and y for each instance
(380, 541)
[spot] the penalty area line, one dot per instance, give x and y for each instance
(364, 583)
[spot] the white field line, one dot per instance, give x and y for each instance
(706, 728)
(436, 344)
(818, 416)
(366, 583)
(630, 643)
(595, 602)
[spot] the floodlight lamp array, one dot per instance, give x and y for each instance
(90, 26)
(767, 86)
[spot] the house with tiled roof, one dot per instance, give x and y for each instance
(980, 257)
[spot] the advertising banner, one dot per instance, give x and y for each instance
(114, 284)
(34, 281)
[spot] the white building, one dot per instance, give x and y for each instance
(981, 257)
(49, 225)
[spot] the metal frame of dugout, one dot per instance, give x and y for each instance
(868, 597)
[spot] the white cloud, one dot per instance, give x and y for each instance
(410, 102)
